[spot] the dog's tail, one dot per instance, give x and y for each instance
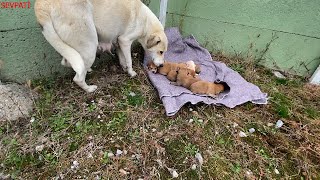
(59, 45)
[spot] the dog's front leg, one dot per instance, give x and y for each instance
(125, 46)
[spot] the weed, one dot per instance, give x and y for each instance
(191, 149)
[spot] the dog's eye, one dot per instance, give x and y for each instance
(161, 52)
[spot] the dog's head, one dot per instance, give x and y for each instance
(157, 45)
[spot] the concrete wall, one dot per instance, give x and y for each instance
(279, 34)
(23, 50)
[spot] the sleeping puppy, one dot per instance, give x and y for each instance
(170, 69)
(185, 77)
(196, 85)
(209, 88)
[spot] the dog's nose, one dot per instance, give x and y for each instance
(161, 65)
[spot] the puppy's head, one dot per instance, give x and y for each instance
(152, 67)
(157, 45)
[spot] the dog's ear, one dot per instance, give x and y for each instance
(152, 41)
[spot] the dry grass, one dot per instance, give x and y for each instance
(126, 114)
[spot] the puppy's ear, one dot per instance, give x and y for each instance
(152, 41)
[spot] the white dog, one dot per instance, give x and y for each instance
(75, 28)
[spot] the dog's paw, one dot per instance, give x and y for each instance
(91, 88)
(89, 70)
(132, 73)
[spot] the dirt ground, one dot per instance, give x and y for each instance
(121, 131)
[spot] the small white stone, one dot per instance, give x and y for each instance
(125, 152)
(173, 172)
(242, 134)
(279, 75)
(154, 130)
(252, 130)
(190, 120)
(123, 172)
(270, 124)
(99, 117)
(132, 94)
(200, 121)
(90, 155)
(32, 119)
(75, 163)
(119, 152)
(198, 156)
(190, 109)
(279, 124)
(235, 125)
(249, 173)
(110, 154)
(194, 167)
(276, 171)
(39, 148)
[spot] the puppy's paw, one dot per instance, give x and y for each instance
(132, 73)
(89, 70)
(91, 88)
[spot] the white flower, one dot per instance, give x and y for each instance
(276, 171)
(190, 120)
(194, 167)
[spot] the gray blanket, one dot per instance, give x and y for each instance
(184, 49)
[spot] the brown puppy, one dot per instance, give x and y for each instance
(196, 85)
(185, 78)
(169, 69)
(209, 88)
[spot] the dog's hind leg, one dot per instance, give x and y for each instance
(73, 57)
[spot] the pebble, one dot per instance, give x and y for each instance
(242, 134)
(198, 156)
(279, 124)
(32, 119)
(252, 130)
(39, 148)
(119, 152)
(110, 154)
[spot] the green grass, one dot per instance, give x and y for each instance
(126, 114)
